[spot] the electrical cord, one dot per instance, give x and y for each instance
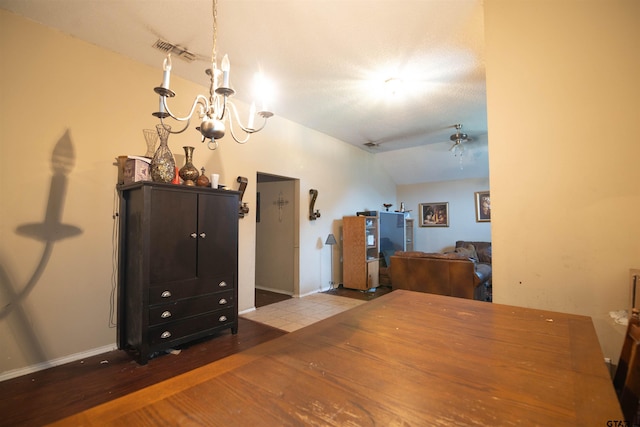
(115, 237)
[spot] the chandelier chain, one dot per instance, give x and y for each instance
(215, 33)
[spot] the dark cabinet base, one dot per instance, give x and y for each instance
(143, 355)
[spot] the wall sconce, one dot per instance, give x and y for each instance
(313, 215)
(243, 208)
(331, 240)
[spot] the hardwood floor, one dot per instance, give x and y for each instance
(361, 295)
(266, 297)
(52, 394)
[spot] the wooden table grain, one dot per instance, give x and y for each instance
(404, 359)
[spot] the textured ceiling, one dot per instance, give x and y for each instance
(327, 60)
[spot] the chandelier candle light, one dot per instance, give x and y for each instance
(217, 107)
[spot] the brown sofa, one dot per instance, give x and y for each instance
(483, 250)
(452, 274)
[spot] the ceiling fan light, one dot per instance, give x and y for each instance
(459, 137)
(393, 86)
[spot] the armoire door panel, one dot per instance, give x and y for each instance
(173, 236)
(217, 230)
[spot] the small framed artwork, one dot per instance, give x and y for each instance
(434, 214)
(483, 206)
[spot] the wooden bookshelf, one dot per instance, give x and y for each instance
(360, 252)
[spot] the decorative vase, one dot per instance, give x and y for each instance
(202, 180)
(150, 137)
(163, 164)
(188, 172)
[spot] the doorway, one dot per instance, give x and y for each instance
(277, 235)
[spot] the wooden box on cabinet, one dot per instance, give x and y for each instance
(360, 252)
(178, 265)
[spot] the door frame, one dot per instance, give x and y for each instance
(264, 177)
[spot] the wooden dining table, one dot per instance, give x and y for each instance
(404, 359)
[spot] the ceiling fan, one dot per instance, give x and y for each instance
(458, 138)
(400, 138)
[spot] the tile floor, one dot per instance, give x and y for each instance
(296, 313)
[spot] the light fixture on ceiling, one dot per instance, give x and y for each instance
(458, 138)
(393, 86)
(217, 107)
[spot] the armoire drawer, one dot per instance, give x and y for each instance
(193, 325)
(188, 307)
(177, 290)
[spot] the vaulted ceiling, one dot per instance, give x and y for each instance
(328, 61)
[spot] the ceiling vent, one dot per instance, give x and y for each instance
(175, 50)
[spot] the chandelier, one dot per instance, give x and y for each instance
(215, 109)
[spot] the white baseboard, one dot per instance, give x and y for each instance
(248, 310)
(55, 362)
(316, 291)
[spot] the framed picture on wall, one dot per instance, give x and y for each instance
(483, 206)
(434, 214)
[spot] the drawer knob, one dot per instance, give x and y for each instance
(222, 318)
(222, 284)
(222, 301)
(202, 235)
(165, 294)
(165, 314)
(165, 334)
(193, 235)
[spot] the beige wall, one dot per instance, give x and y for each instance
(53, 85)
(562, 90)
